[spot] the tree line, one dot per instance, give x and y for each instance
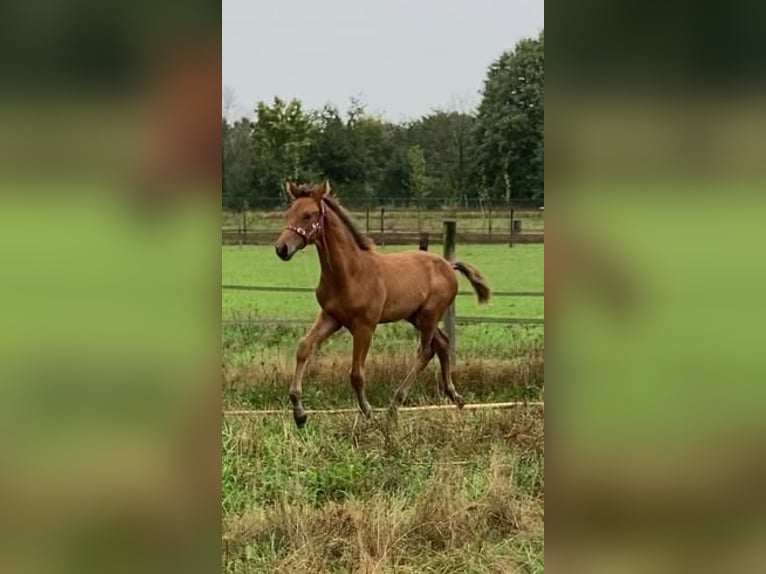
(448, 157)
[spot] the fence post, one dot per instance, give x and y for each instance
(450, 236)
(368, 218)
(423, 245)
(417, 209)
(382, 216)
(490, 218)
(510, 229)
(244, 221)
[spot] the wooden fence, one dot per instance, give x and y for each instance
(400, 226)
(251, 237)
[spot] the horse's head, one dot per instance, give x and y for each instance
(304, 219)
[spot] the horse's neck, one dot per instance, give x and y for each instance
(339, 255)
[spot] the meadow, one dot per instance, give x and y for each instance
(432, 492)
(520, 268)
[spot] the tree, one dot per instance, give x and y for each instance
(509, 132)
(229, 100)
(420, 186)
(447, 156)
(395, 180)
(283, 136)
(333, 150)
(352, 153)
(369, 138)
(445, 137)
(237, 162)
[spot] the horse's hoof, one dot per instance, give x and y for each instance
(300, 420)
(459, 401)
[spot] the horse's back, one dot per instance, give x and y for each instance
(420, 265)
(414, 280)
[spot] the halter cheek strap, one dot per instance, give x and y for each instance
(316, 227)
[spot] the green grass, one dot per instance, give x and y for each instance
(447, 492)
(508, 269)
(438, 492)
(257, 375)
(520, 268)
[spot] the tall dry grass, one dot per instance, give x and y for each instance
(446, 492)
(443, 491)
(326, 383)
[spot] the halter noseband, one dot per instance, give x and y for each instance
(315, 228)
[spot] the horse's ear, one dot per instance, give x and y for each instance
(291, 190)
(323, 189)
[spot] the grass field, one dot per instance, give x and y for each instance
(520, 268)
(437, 492)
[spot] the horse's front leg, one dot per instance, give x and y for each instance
(362, 339)
(323, 327)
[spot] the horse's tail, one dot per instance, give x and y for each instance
(478, 282)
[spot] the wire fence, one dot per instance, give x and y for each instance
(286, 289)
(461, 320)
(420, 408)
(465, 320)
(488, 218)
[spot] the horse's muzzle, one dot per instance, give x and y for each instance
(283, 252)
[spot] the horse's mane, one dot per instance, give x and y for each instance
(362, 240)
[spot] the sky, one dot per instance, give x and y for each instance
(402, 58)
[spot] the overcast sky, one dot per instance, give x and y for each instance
(401, 57)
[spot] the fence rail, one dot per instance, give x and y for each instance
(267, 288)
(463, 320)
(387, 225)
(419, 408)
(251, 237)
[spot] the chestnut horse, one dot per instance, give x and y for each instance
(360, 288)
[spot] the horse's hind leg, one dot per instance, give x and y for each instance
(441, 345)
(425, 354)
(362, 340)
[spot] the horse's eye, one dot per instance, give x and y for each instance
(306, 216)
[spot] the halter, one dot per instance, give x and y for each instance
(316, 227)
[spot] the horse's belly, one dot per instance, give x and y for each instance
(400, 308)
(392, 317)
(349, 308)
